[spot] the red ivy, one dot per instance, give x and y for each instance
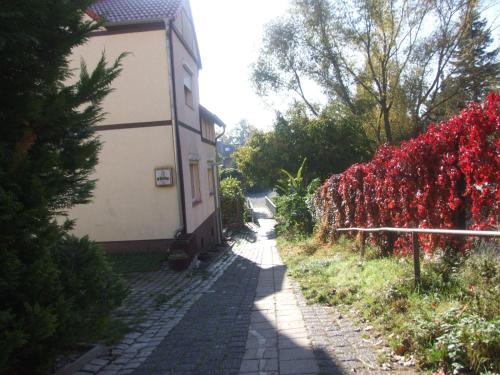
(447, 177)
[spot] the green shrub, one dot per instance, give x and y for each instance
(469, 343)
(293, 205)
(90, 286)
(231, 172)
(65, 300)
(292, 215)
(232, 203)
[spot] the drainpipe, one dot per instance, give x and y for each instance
(175, 125)
(217, 184)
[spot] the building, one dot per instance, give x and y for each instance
(156, 176)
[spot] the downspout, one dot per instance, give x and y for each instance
(217, 183)
(175, 126)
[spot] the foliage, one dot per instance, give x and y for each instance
(447, 177)
(47, 153)
(292, 184)
(239, 134)
(232, 203)
(231, 172)
(330, 142)
(474, 67)
(385, 61)
(444, 323)
(292, 210)
(83, 267)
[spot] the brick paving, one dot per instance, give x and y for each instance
(240, 316)
(157, 302)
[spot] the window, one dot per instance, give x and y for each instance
(188, 87)
(207, 128)
(195, 181)
(211, 179)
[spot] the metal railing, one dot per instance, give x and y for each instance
(414, 234)
(270, 205)
(250, 210)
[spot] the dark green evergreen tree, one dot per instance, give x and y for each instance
(47, 151)
(475, 66)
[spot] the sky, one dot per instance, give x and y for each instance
(229, 35)
(228, 45)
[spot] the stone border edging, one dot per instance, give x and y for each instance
(81, 361)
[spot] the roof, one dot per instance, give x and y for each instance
(212, 116)
(121, 11)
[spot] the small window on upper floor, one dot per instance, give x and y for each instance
(188, 87)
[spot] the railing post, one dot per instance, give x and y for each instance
(416, 258)
(363, 240)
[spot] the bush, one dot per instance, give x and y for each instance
(293, 211)
(90, 286)
(468, 343)
(231, 172)
(48, 151)
(445, 178)
(292, 215)
(72, 305)
(232, 203)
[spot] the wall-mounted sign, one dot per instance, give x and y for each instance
(164, 176)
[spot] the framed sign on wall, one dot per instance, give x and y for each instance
(164, 176)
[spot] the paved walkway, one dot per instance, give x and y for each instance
(241, 316)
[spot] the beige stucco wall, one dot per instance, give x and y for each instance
(204, 153)
(142, 89)
(191, 143)
(127, 205)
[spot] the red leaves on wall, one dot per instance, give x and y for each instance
(448, 177)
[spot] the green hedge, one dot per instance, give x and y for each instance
(232, 203)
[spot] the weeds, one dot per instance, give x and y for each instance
(451, 322)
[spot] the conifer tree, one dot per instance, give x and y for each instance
(47, 152)
(474, 65)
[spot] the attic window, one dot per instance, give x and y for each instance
(188, 87)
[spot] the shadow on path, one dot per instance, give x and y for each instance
(247, 323)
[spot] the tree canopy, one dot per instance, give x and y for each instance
(384, 60)
(330, 142)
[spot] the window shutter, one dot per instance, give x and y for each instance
(188, 80)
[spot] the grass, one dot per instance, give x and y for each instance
(451, 322)
(125, 263)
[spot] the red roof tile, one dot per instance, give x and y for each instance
(135, 10)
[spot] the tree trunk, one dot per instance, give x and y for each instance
(387, 124)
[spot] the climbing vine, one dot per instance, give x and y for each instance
(447, 177)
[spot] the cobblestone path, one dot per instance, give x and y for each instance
(241, 316)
